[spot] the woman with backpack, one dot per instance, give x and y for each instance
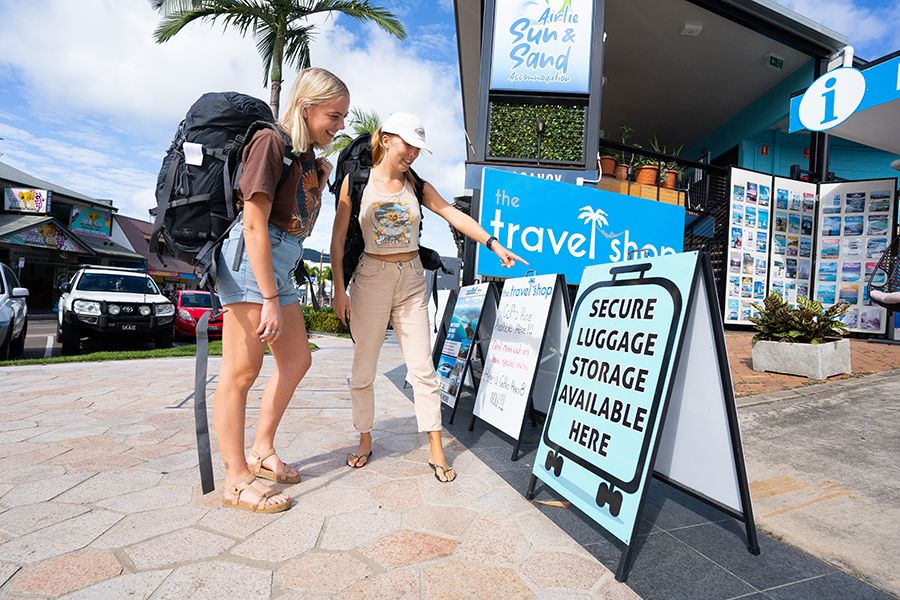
(255, 283)
(388, 283)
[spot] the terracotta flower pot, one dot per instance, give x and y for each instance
(648, 174)
(622, 172)
(608, 165)
(671, 180)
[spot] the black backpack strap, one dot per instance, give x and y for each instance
(201, 422)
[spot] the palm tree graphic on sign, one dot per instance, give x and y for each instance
(596, 218)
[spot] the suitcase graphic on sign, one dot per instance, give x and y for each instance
(666, 291)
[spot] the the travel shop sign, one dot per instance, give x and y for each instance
(542, 45)
(563, 228)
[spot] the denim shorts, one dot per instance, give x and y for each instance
(240, 285)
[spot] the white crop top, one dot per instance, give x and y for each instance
(390, 222)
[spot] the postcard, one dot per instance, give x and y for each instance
(759, 290)
(746, 287)
(877, 225)
(875, 247)
(762, 242)
(751, 192)
(851, 317)
(734, 285)
(737, 215)
(850, 271)
(791, 271)
(764, 195)
(825, 293)
(737, 234)
(849, 293)
(855, 202)
(747, 311)
(831, 226)
(778, 288)
(870, 319)
(793, 245)
(802, 289)
(777, 267)
(806, 227)
(733, 310)
(831, 205)
(749, 239)
(747, 268)
(794, 223)
(828, 271)
(809, 203)
(830, 248)
(734, 262)
(781, 222)
(880, 201)
(803, 269)
(762, 218)
(805, 247)
(853, 225)
(780, 244)
(781, 199)
(876, 274)
(750, 216)
(795, 202)
(738, 193)
(761, 264)
(851, 247)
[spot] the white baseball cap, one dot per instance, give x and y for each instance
(408, 127)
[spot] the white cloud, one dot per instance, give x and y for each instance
(103, 99)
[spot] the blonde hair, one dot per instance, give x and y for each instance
(312, 86)
(379, 150)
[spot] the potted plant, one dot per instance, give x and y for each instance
(668, 177)
(646, 169)
(622, 168)
(805, 340)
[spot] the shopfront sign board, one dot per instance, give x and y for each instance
(542, 46)
(90, 221)
(562, 228)
(532, 311)
(637, 393)
(26, 200)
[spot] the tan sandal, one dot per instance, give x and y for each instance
(261, 506)
(259, 470)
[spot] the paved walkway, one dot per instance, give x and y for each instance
(866, 358)
(99, 499)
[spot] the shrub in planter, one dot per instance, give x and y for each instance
(803, 340)
(324, 320)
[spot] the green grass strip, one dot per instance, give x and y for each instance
(215, 349)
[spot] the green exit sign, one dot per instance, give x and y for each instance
(775, 62)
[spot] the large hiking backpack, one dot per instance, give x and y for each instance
(195, 191)
(355, 162)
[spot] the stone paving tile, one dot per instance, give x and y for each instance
(108, 484)
(7, 570)
(32, 473)
(215, 580)
(397, 495)
(183, 545)
(73, 534)
(447, 521)
(128, 586)
(405, 548)
(456, 579)
(462, 492)
(562, 570)
(332, 500)
(143, 526)
(393, 585)
(22, 520)
(289, 536)
(67, 573)
(43, 490)
(351, 530)
(237, 524)
(323, 572)
(162, 496)
(494, 539)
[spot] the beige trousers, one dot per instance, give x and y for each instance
(386, 291)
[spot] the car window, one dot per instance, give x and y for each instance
(197, 300)
(2, 287)
(117, 283)
(11, 278)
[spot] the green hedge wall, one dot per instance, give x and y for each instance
(513, 131)
(324, 320)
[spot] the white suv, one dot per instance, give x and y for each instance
(105, 302)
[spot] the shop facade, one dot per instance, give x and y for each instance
(48, 231)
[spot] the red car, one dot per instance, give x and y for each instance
(189, 307)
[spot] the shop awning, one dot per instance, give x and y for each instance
(107, 247)
(40, 231)
(864, 104)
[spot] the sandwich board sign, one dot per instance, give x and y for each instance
(637, 395)
(532, 318)
(473, 315)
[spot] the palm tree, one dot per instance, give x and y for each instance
(597, 220)
(279, 26)
(361, 121)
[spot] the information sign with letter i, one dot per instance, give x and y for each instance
(637, 395)
(470, 325)
(525, 345)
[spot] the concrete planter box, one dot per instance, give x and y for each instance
(816, 361)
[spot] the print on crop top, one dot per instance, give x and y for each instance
(392, 224)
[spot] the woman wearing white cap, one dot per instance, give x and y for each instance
(388, 283)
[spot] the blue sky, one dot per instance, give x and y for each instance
(88, 101)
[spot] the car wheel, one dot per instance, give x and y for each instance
(17, 348)
(71, 340)
(164, 339)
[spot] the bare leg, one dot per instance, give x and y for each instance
(242, 356)
(436, 457)
(292, 361)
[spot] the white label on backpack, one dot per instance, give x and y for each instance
(193, 153)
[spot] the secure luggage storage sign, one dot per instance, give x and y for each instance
(643, 340)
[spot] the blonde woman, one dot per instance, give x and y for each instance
(260, 299)
(388, 283)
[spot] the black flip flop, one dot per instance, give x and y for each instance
(357, 458)
(447, 470)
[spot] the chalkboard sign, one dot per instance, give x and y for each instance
(644, 334)
(530, 310)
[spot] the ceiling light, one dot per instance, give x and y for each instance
(692, 29)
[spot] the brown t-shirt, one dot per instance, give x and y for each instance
(296, 203)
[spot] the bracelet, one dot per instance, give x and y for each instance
(270, 297)
(490, 241)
